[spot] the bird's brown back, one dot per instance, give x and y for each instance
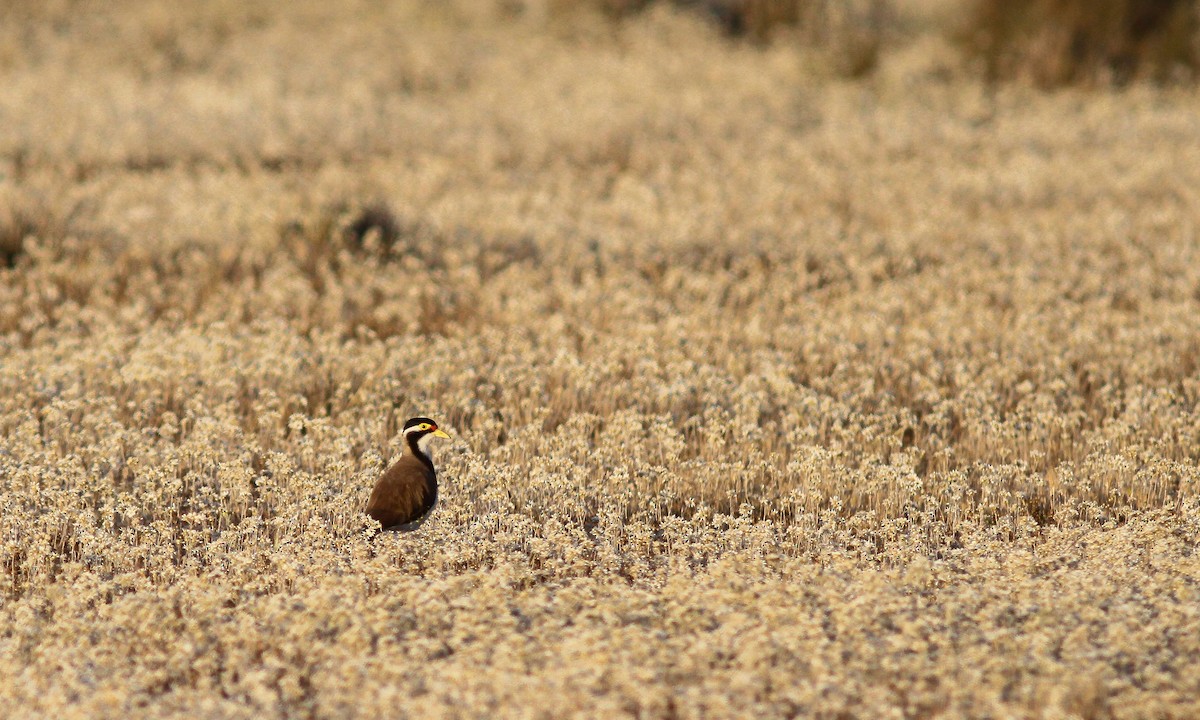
(405, 493)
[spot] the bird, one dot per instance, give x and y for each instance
(407, 491)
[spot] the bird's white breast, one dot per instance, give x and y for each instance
(426, 445)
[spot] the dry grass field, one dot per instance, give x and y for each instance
(773, 393)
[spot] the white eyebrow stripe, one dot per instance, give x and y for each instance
(413, 429)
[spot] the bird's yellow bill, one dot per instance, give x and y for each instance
(440, 433)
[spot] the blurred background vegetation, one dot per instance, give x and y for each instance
(1048, 42)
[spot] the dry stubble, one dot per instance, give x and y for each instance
(773, 395)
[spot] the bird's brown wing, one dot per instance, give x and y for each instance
(404, 493)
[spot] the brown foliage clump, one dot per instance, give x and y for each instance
(847, 36)
(1056, 42)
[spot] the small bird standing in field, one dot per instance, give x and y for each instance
(407, 491)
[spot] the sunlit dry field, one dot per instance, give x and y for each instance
(772, 393)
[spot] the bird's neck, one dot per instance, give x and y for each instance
(420, 453)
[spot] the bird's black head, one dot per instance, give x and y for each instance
(419, 427)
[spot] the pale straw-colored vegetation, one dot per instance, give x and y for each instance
(773, 393)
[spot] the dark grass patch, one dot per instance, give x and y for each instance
(29, 218)
(378, 219)
(849, 34)
(12, 247)
(1062, 42)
